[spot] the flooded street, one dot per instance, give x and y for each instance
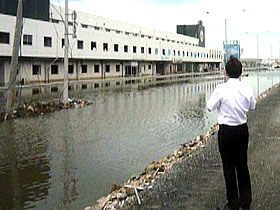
(69, 159)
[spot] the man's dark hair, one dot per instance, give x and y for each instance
(233, 67)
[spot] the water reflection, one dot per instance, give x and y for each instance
(24, 168)
(69, 159)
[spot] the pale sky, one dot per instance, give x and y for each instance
(252, 16)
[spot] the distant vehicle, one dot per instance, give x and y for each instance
(275, 66)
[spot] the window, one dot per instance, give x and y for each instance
(54, 21)
(163, 51)
(107, 68)
(187, 53)
(93, 46)
(134, 49)
(127, 33)
(96, 68)
(84, 69)
(156, 51)
(70, 69)
(107, 30)
(150, 50)
(27, 39)
(125, 48)
(96, 85)
(169, 52)
(105, 47)
(62, 43)
(80, 44)
(183, 53)
(116, 47)
(54, 69)
(150, 67)
(142, 50)
(84, 86)
(118, 67)
(47, 41)
(179, 53)
(36, 69)
(174, 52)
(54, 89)
(4, 38)
(70, 23)
(84, 26)
(198, 55)
(35, 91)
(96, 28)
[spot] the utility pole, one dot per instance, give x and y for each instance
(11, 92)
(66, 50)
(226, 30)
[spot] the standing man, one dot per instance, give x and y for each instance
(233, 100)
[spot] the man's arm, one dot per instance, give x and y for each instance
(214, 101)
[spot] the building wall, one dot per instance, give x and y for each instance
(151, 46)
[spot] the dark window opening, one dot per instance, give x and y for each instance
(70, 69)
(80, 44)
(142, 50)
(4, 38)
(27, 39)
(96, 68)
(107, 84)
(118, 67)
(84, 86)
(116, 47)
(107, 68)
(105, 47)
(125, 48)
(134, 49)
(62, 43)
(36, 69)
(54, 69)
(150, 50)
(47, 41)
(35, 91)
(163, 51)
(54, 21)
(96, 85)
(84, 69)
(54, 89)
(93, 46)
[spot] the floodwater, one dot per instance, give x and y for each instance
(69, 159)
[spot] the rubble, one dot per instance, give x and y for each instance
(36, 108)
(131, 189)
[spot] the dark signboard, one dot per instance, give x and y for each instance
(35, 9)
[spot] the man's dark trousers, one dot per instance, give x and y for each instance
(233, 147)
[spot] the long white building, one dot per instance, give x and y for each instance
(102, 48)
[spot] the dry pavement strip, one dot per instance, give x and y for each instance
(197, 182)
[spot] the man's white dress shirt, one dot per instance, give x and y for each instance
(232, 100)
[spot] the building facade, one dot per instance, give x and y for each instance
(101, 48)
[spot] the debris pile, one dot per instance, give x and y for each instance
(36, 108)
(129, 191)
